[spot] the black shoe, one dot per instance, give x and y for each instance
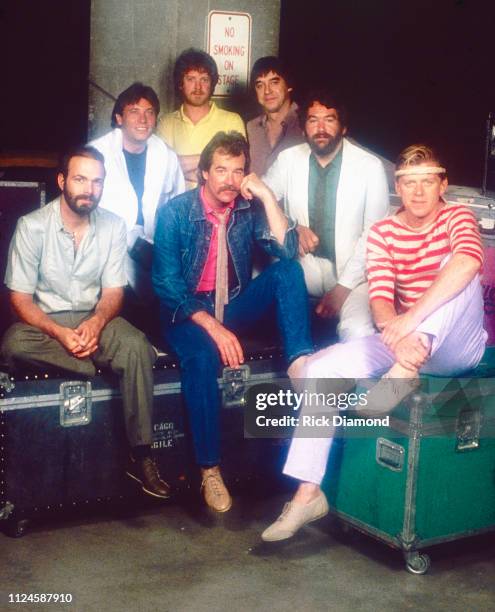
(146, 473)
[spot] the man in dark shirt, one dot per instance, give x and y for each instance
(277, 128)
(142, 174)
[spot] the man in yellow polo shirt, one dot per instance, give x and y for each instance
(190, 128)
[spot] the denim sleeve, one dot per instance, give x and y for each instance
(168, 281)
(267, 241)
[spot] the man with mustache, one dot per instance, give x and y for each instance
(66, 277)
(190, 128)
(202, 274)
(335, 190)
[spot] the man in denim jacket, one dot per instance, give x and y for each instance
(187, 241)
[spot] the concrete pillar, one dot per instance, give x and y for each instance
(135, 40)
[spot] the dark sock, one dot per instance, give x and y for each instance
(141, 452)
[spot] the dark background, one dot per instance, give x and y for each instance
(415, 70)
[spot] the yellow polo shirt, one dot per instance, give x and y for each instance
(187, 138)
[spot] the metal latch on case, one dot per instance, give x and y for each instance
(390, 455)
(75, 403)
(5, 382)
(468, 429)
(234, 385)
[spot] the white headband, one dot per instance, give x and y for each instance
(420, 170)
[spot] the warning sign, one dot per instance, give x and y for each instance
(229, 43)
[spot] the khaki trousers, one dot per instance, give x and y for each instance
(122, 348)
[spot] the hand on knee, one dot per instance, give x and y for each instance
(411, 353)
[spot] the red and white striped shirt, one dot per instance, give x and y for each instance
(402, 263)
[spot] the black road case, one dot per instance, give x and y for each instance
(63, 442)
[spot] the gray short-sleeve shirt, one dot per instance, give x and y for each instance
(42, 260)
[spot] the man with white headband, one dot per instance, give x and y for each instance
(423, 267)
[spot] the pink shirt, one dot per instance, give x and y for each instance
(208, 276)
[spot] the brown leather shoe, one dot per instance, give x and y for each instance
(146, 473)
(214, 490)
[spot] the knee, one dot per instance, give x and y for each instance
(348, 331)
(288, 270)
(327, 363)
(136, 342)
(133, 340)
(204, 360)
(13, 343)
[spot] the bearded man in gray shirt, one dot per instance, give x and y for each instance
(66, 278)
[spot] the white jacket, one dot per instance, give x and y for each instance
(163, 180)
(362, 199)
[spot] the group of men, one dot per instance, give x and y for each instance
(177, 216)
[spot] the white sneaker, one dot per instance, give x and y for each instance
(293, 517)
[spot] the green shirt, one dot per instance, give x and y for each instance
(322, 198)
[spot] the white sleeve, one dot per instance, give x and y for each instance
(173, 184)
(114, 274)
(276, 178)
(376, 208)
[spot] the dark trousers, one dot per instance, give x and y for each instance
(280, 285)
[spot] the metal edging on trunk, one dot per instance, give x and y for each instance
(408, 535)
(100, 395)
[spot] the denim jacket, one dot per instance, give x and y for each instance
(182, 242)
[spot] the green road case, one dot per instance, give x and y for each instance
(427, 477)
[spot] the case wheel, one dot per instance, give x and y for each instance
(16, 528)
(417, 563)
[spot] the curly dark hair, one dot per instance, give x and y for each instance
(327, 98)
(194, 59)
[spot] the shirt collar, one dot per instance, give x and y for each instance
(209, 210)
(59, 220)
(197, 211)
(207, 117)
(290, 118)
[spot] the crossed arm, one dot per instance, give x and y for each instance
(82, 341)
(189, 165)
(228, 345)
(398, 329)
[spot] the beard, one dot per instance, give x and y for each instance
(324, 148)
(197, 99)
(83, 210)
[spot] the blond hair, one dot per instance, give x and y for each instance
(416, 155)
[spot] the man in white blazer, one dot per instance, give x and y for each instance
(335, 190)
(142, 174)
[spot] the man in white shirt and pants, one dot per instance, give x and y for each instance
(335, 190)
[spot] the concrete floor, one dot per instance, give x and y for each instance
(175, 556)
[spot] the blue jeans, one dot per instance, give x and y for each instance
(281, 284)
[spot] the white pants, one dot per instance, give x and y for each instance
(458, 343)
(355, 319)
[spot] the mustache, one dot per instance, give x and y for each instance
(228, 188)
(91, 198)
(321, 135)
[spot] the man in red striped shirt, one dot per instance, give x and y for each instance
(423, 272)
